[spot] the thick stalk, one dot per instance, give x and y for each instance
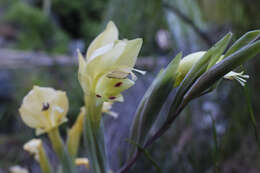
(94, 135)
(68, 165)
(152, 139)
(44, 161)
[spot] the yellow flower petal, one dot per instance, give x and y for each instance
(102, 64)
(109, 61)
(110, 88)
(44, 108)
(131, 51)
(108, 36)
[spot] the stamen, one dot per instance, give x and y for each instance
(139, 71)
(239, 77)
(45, 106)
(118, 84)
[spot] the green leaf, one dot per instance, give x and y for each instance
(152, 102)
(94, 135)
(94, 138)
(251, 113)
(146, 154)
(66, 161)
(222, 68)
(215, 57)
(216, 149)
(199, 68)
(246, 39)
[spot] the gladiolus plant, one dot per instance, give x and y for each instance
(104, 73)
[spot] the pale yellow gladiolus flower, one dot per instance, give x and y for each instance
(18, 169)
(44, 109)
(82, 162)
(108, 63)
(188, 61)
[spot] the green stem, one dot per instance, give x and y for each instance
(44, 162)
(68, 165)
(94, 135)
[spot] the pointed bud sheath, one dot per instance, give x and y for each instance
(18, 169)
(240, 48)
(35, 148)
(152, 103)
(74, 134)
(108, 63)
(44, 109)
(222, 68)
(243, 41)
(197, 69)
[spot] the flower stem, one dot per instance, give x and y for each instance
(68, 165)
(94, 135)
(152, 139)
(44, 162)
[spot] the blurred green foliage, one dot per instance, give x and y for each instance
(80, 18)
(83, 20)
(137, 18)
(36, 30)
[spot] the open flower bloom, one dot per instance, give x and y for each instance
(33, 147)
(188, 61)
(44, 109)
(108, 63)
(18, 169)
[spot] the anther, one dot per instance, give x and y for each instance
(45, 106)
